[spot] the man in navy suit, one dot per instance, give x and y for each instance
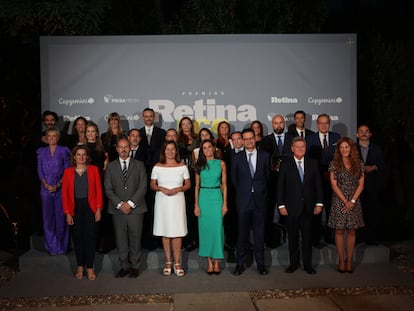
(371, 155)
(298, 128)
(250, 170)
(299, 197)
(153, 138)
(321, 146)
(277, 144)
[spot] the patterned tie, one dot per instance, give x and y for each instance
(124, 170)
(301, 174)
(279, 144)
(251, 167)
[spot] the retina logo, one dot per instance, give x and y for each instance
(203, 110)
(284, 100)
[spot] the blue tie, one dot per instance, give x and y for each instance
(251, 165)
(279, 144)
(301, 174)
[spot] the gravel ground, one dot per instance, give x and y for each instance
(402, 255)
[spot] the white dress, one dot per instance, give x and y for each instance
(170, 219)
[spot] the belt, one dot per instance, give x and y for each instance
(211, 187)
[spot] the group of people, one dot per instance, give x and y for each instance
(176, 186)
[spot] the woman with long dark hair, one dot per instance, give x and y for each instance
(347, 181)
(210, 205)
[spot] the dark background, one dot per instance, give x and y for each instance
(385, 30)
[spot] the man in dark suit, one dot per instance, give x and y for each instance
(371, 155)
(300, 196)
(137, 150)
(321, 147)
(125, 187)
(153, 138)
(250, 170)
(277, 144)
(298, 128)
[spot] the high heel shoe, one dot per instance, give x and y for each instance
(341, 268)
(348, 266)
(178, 270)
(167, 269)
(79, 273)
(91, 274)
(210, 270)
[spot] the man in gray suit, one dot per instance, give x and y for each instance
(125, 187)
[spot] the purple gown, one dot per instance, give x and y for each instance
(50, 168)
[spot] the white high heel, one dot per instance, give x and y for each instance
(178, 271)
(167, 271)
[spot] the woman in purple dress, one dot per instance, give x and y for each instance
(51, 162)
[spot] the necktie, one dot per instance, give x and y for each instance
(301, 174)
(124, 170)
(301, 133)
(133, 153)
(251, 167)
(325, 143)
(149, 136)
(279, 144)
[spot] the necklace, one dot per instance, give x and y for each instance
(80, 171)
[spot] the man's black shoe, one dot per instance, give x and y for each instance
(309, 270)
(291, 269)
(238, 270)
(134, 273)
(122, 273)
(262, 270)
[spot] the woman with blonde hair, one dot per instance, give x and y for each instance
(112, 135)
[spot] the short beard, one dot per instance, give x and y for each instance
(279, 131)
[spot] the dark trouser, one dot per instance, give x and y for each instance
(302, 224)
(252, 217)
(84, 233)
(371, 209)
(317, 226)
(128, 234)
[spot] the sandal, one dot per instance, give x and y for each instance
(79, 273)
(178, 270)
(91, 274)
(167, 268)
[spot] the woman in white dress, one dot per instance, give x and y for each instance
(170, 179)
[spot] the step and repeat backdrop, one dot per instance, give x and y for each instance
(210, 78)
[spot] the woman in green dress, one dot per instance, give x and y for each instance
(210, 205)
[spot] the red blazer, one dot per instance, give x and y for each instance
(94, 189)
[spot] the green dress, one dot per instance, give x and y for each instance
(210, 221)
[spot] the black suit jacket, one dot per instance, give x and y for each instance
(152, 150)
(375, 156)
(269, 144)
(243, 182)
(295, 133)
(315, 149)
(299, 198)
